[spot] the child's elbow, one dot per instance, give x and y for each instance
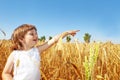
(5, 76)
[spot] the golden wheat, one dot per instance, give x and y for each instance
(64, 61)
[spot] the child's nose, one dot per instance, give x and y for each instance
(36, 36)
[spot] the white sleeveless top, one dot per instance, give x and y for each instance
(26, 64)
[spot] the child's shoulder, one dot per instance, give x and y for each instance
(13, 52)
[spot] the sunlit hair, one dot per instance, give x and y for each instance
(19, 34)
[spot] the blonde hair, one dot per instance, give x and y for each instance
(19, 34)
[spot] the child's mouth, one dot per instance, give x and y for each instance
(34, 39)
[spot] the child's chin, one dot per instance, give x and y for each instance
(35, 42)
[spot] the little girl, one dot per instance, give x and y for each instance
(24, 61)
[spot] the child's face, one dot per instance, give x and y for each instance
(30, 38)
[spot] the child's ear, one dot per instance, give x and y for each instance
(21, 40)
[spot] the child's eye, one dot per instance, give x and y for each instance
(31, 34)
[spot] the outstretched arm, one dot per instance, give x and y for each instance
(55, 39)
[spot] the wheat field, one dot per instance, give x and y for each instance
(75, 61)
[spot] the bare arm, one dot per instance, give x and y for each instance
(49, 43)
(6, 74)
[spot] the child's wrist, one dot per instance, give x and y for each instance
(55, 38)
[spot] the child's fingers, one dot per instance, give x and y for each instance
(77, 30)
(73, 34)
(74, 31)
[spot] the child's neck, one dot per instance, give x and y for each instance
(27, 48)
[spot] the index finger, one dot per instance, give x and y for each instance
(76, 30)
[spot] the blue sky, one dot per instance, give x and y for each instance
(99, 18)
